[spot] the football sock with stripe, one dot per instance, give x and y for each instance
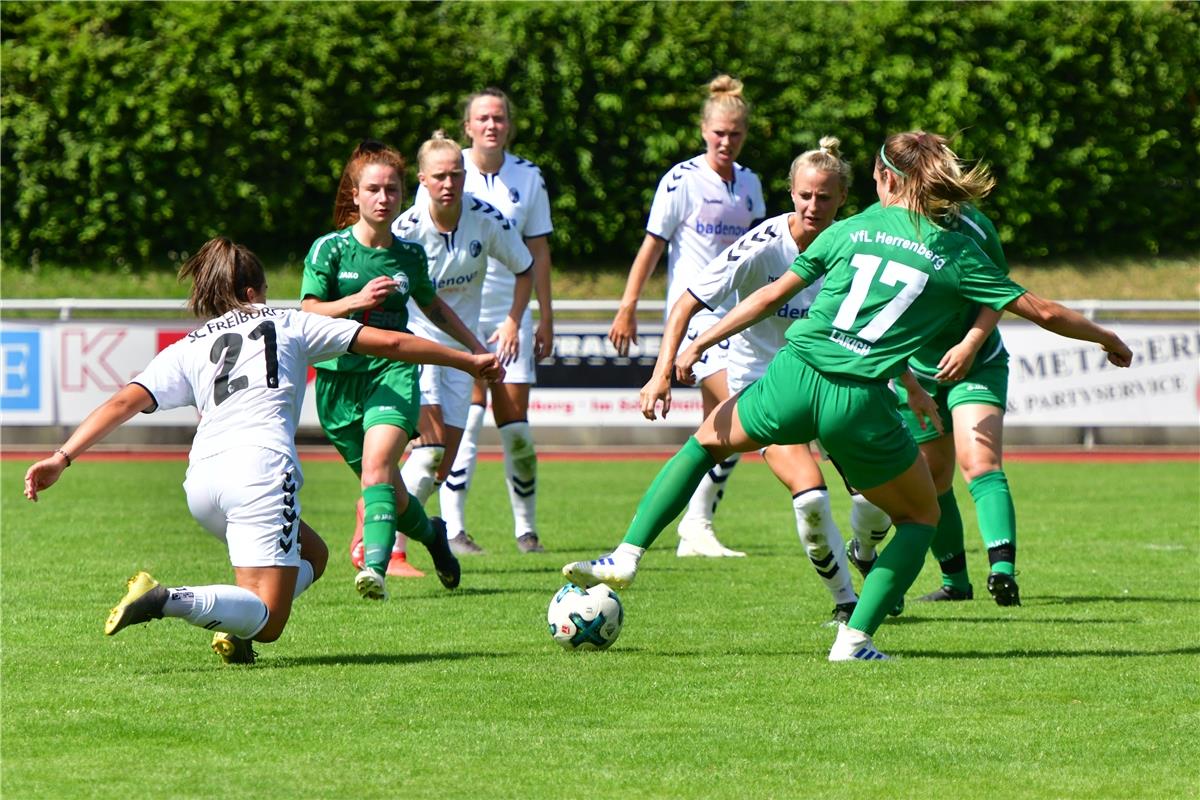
(823, 542)
(997, 519)
(452, 497)
(894, 572)
(219, 607)
(520, 471)
(947, 546)
(379, 525)
(708, 495)
(414, 523)
(668, 493)
(870, 525)
(420, 470)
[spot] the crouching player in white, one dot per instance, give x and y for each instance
(460, 234)
(245, 371)
(819, 182)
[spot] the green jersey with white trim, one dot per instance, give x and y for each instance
(338, 265)
(893, 281)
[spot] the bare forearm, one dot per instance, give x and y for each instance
(341, 308)
(981, 329)
(127, 403)
(758, 306)
(643, 267)
(1061, 320)
(681, 313)
(540, 249)
(521, 294)
(444, 317)
(408, 348)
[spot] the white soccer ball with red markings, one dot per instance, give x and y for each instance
(585, 619)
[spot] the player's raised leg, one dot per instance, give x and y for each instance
(719, 435)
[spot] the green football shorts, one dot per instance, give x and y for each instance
(350, 402)
(986, 384)
(856, 421)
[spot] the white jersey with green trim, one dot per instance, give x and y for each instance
(245, 372)
(699, 214)
(460, 259)
(759, 257)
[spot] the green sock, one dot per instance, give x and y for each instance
(997, 518)
(897, 567)
(669, 493)
(413, 522)
(379, 525)
(947, 546)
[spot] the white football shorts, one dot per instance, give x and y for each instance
(248, 498)
(449, 388)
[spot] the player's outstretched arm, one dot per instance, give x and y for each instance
(758, 306)
(128, 401)
(658, 388)
(624, 327)
(1059, 319)
(417, 350)
(442, 315)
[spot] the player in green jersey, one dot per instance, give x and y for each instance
(968, 377)
(368, 407)
(892, 278)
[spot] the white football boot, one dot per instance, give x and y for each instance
(615, 569)
(697, 538)
(854, 645)
(370, 585)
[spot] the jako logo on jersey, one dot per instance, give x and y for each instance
(514, 195)
(458, 280)
(401, 282)
(350, 276)
(710, 201)
(475, 247)
(720, 229)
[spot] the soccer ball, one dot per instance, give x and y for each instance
(585, 619)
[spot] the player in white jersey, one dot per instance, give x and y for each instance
(245, 372)
(701, 207)
(819, 181)
(462, 235)
(516, 188)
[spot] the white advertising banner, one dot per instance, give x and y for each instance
(55, 373)
(1057, 381)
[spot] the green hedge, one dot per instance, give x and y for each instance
(133, 131)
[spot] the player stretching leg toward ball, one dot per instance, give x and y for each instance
(245, 372)
(515, 187)
(890, 274)
(369, 408)
(702, 206)
(819, 182)
(461, 235)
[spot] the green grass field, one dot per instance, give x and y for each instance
(718, 686)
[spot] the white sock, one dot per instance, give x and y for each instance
(220, 607)
(630, 552)
(520, 471)
(452, 497)
(823, 543)
(400, 548)
(708, 494)
(420, 470)
(870, 525)
(304, 578)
